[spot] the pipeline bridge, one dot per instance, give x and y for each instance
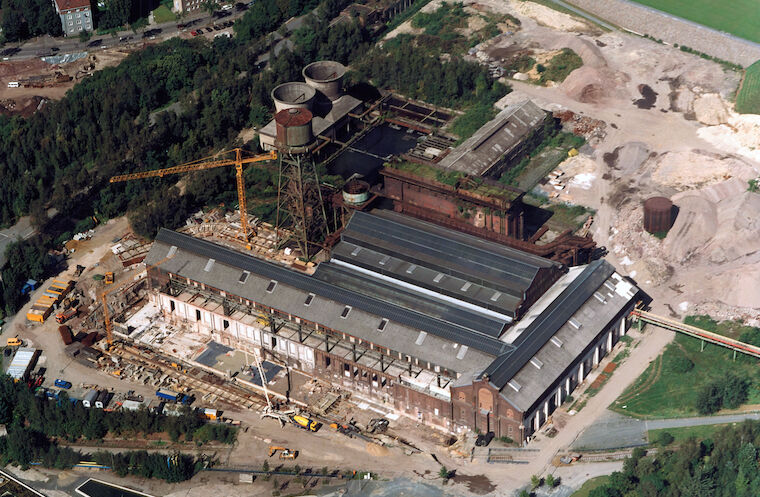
(641, 316)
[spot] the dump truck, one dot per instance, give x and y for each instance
(13, 342)
(305, 423)
(65, 333)
(64, 316)
(109, 277)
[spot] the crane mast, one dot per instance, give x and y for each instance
(209, 163)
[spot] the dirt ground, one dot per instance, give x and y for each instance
(25, 101)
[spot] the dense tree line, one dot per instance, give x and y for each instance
(24, 446)
(24, 19)
(35, 422)
(61, 418)
(404, 67)
(724, 465)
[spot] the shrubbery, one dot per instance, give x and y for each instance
(727, 392)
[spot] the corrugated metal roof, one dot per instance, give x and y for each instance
(306, 284)
(415, 301)
(543, 328)
(450, 252)
(21, 361)
(479, 153)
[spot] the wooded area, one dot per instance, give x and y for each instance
(36, 423)
(119, 120)
(725, 465)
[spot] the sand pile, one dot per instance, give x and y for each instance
(696, 224)
(549, 17)
(695, 169)
(709, 109)
(740, 134)
(738, 287)
(589, 84)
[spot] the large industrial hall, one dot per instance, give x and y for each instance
(433, 324)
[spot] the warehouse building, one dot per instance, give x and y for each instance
(454, 331)
(501, 143)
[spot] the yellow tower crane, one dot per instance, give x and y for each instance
(209, 163)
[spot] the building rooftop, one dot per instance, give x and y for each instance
(560, 332)
(439, 259)
(360, 315)
(72, 4)
(479, 153)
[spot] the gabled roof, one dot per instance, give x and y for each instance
(479, 153)
(439, 259)
(543, 328)
(72, 4)
(222, 268)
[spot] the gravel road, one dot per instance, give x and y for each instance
(672, 29)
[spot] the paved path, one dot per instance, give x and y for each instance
(585, 15)
(672, 29)
(20, 231)
(613, 430)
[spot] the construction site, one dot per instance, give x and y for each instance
(419, 305)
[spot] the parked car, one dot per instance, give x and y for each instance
(94, 43)
(209, 30)
(484, 439)
(62, 384)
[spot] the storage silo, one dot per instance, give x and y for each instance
(293, 127)
(327, 77)
(356, 192)
(658, 215)
(293, 95)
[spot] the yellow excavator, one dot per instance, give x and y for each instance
(285, 453)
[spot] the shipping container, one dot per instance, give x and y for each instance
(22, 363)
(100, 400)
(65, 333)
(167, 395)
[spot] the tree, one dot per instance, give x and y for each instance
(550, 481)
(709, 399)
(210, 6)
(117, 13)
(664, 439)
(535, 481)
(443, 473)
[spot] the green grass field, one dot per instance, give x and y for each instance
(663, 392)
(738, 17)
(163, 14)
(590, 485)
(748, 98)
(687, 432)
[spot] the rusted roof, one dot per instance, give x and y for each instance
(72, 4)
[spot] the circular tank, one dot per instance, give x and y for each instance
(293, 95)
(326, 76)
(658, 214)
(293, 127)
(356, 192)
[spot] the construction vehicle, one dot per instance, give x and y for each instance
(62, 317)
(178, 367)
(79, 270)
(305, 423)
(14, 342)
(285, 453)
(209, 163)
(109, 278)
(377, 425)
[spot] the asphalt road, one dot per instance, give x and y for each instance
(613, 430)
(30, 48)
(21, 230)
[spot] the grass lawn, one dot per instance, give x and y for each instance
(590, 485)
(738, 17)
(687, 432)
(163, 14)
(662, 391)
(748, 98)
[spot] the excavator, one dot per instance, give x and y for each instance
(285, 453)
